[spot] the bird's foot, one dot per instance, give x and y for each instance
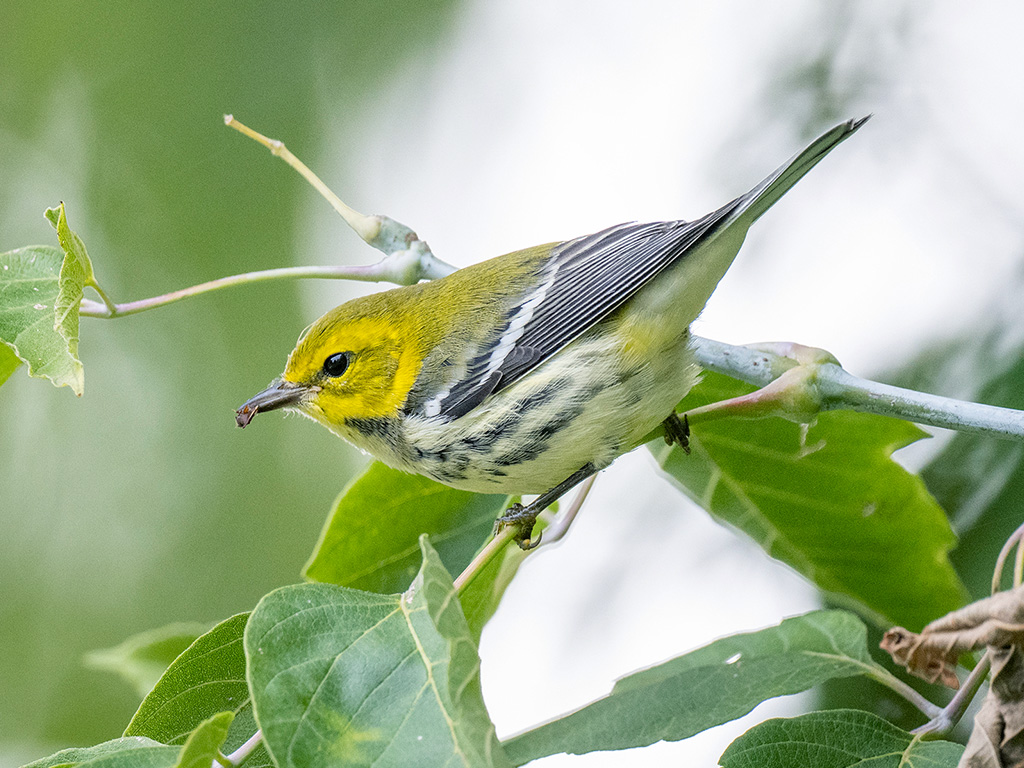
(522, 519)
(677, 432)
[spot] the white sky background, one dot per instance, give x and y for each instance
(537, 121)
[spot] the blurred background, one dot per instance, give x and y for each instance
(486, 126)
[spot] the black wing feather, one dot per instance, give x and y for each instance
(592, 277)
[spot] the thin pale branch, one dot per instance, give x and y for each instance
(396, 268)
(560, 526)
(382, 232)
(407, 258)
(493, 547)
(836, 389)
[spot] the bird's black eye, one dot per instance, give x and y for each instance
(336, 364)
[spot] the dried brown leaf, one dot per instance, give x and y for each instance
(922, 656)
(997, 740)
(995, 621)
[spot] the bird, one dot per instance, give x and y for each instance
(529, 372)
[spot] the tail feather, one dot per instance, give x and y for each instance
(766, 194)
(716, 238)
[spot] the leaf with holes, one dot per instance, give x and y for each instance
(829, 501)
(75, 273)
(29, 287)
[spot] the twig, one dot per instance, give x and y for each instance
(397, 268)
(484, 556)
(382, 232)
(367, 227)
(560, 526)
(241, 754)
(947, 717)
(407, 258)
(836, 389)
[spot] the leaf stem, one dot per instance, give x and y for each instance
(483, 557)
(560, 526)
(395, 268)
(946, 718)
(893, 683)
(837, 389)
(110, 306)
(241, 754)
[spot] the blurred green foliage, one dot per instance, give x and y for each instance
(147, 516)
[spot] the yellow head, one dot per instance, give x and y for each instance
(359, 361)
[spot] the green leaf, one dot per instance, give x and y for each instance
(829, 501)
(74, 249)
(8, 362)
(978, 480)
(119, 753)
(481, 597)
(75, 273)
(434, 593)
(142, 659)
(707, 687)
(204, 743)
(342, 677)
(206, 679)
(837, 739)
(29, 287)
(371, 539)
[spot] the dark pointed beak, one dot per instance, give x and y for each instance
(280, 394)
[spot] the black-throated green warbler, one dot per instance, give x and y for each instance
(531, 371)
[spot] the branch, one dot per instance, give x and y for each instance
(560, 526)
(402, 268)
(382, 232)
(407, 259)
(825, 386)
(484, 556)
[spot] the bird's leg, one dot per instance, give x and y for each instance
(524, 517)
(677, 432)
